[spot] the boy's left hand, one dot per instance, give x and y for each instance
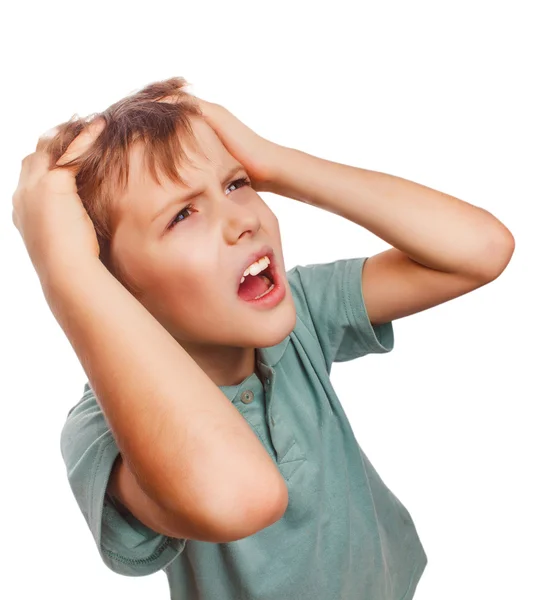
(258, 155)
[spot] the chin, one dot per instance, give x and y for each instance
(275, 329)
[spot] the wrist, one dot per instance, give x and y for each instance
(278, 163)
(56, 275)
(285, 164)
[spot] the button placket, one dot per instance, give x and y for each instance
(268, 385)
(288, 454)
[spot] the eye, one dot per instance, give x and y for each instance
(175, 221)
(237, 182)
(243, 181)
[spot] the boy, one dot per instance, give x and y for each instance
(209, 441)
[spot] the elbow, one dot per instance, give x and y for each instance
(234, 516)
(497, 255)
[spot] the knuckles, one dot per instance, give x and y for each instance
(54, 180)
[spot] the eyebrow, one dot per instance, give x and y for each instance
(184, 198)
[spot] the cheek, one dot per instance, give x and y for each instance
(268, 219)
(188, 287)
(274, 230)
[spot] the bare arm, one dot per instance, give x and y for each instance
(189, 450)
(124, 489)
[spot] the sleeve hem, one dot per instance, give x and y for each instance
(158, 559)
(376, 338)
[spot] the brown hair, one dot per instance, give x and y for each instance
(158, 116)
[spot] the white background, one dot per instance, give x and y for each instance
(459, 420)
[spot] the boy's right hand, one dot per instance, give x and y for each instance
(48, 211)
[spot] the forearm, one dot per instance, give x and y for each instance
(188, 446)
(433, 228)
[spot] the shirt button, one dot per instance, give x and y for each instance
(247, 396)
(267, 381)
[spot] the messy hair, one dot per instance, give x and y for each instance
(158, 116)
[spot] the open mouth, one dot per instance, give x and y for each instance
(257, 286)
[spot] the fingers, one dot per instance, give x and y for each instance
(82, 142)
(33, 167)
(204, 104)
(208, 108)
(45, 138)
(36, 164)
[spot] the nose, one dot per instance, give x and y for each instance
(238, 215)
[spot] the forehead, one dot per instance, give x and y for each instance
(143, 196)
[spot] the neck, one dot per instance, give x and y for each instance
(224, 365)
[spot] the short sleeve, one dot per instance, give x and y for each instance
(126, 545)
(329, 300)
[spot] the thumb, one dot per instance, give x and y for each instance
(211, 111)
(82, 142)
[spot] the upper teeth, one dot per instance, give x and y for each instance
(257, 267)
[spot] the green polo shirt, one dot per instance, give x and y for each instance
(344, 533)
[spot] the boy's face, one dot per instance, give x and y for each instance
(189, 274)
